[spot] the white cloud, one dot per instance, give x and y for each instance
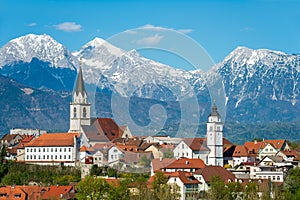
(68, 27)
(31, 24)
(160, 28)
(152, 40)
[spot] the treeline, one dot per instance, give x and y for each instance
(130, 187)
(14, 173)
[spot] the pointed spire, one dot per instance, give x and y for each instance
(79, 83)
(214, 110)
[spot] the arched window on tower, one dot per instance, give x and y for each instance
(84, 112)
(74, 113)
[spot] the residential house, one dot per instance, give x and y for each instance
(240, 155)
(205, 174)
(192, 148)
(10, 140)
(189, 186)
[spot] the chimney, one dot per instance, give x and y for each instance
(186, 162)
(255, 141)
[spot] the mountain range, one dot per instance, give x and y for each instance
(249, 86)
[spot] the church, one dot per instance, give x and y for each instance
(103, 130)
(93, 130)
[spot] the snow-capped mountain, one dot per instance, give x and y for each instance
(131, 74)
(42, 47)
(258, 83)
(253, 85)
(39, 61)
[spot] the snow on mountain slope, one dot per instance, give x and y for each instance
(130, 73)
(255, 74)
(42, 47)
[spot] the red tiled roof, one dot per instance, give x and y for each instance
(27, 139)
(57, 191)
(186, 163)
(256, 145)
(8, 192)
(209, 171)
(158, 163)
(278, 144)
(53, 139)
(196, 144)
(291, 153)
(240, 151)
(185, 177)
(109, 128)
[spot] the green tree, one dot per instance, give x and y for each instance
(92, 189)
(162, 190)
(251, 191)
(217, 189)
(120, 192)
(291, 185)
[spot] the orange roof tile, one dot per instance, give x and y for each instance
(158, 163)
(186, 163)
(57, 191)
(240, 151)
(196, 144)
(185, 177)
(53, 139)
(9, 192)
(209, 171)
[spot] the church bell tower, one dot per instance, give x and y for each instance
(214, 134)
(80, 109)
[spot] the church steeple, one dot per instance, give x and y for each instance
(214, 134)
(79, 108)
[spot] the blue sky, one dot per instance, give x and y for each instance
(217, 26)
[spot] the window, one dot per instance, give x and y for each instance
(69, 149)
(182, 146)
(51, 157)
(47, 157)
(55, 149)
(218, 128)
(39, 149)
(27, 150)
(278, 178)
(60, 149)
(84, 112)
(69, 156)
(211, 128)
(51, 149)
(55, 156)
(65, 149)
(60, 157)
(27, 157)
(74, 113)
(65, 157)
(34, 150)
